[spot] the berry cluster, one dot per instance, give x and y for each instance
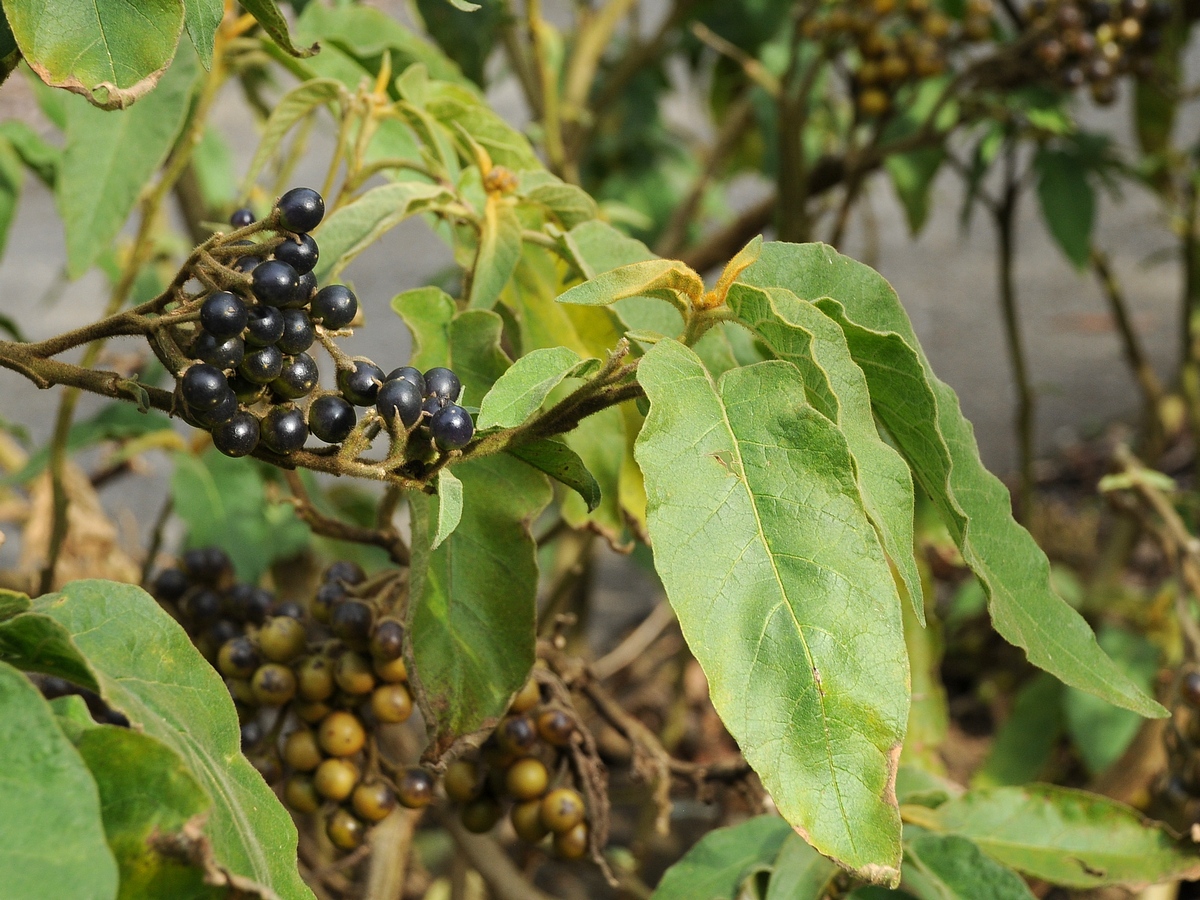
(1094, 42)
(253, 366)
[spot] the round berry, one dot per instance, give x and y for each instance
(306, 290)
(516, 735)
(573, 843)
(247, 603)
(331, 418)
(334, 306)
(247, 263)
(222, 412)
(351, 620)
(207, 564)
(275, 283)
(273, 684)
(360, 384)
(202, 607)
(451, 428)
(527, 697)
(298, 334)
(328, 595)
(345, 572)
(479, 816)
(300, 751)
(264, 327)
(373, 801)
(299, 252)
(387, 640)
(297, 378)
(238, 435)
(223, 315)
(300, 209)
(526, 779)
(391, 703)
(526, 820)
(562, 810)
(415, 788)
(262, 366)
(411, 375)
(242, 217)
(312, 711)
(224, 354)
(204, 387)
(283, 430)
(393, 671)
(335, 778)
(345, 831)
(399, 398)
(301, 794)
(353, 674)
(282, 639)
(556, 728)
(247, 392)
(314, 678)
(238, 658)
(220, 633)
(462, 781)
(170, 585)
(430, 408)
(341, 734)
(440, 382)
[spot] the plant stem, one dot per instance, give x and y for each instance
(548, 90)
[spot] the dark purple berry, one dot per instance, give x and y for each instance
(262, 366)
(223, 315)
(247, 263)
(238, 435)
(443, 384)
(275, 283)
(360, 385)
(224, 354)
(298, 334)
(242, 217)
(299, 252)
(207, 564)
(408, 373)
(399, 397)
(289, 608)
(171, 584)
(431, 407)
(283, 430)
(247, 603)
(211, 418)
(300, 209)
(202, 607)
(451, 428)
(306, 290)
(204, 387)
(331, 418)
(334, 306)
(265, 326)
(344, 571)
(351, 620)
(297, 378)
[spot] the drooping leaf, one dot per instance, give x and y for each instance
(297, 104)
(783, 593)
(146, 666)
(800, 872)
(945, 867)
(562, 464)
(357, 225)
(1068, 837)
(202, 18)
(427, 312)
(721, 860)
(1068, 202)
(662, 278)
(110, 156)
(449, 506)
(1025, 742)
(271, 19)
(599, 440)
(110, 51)
(922, 415)
(912, 175)
(499, 250)
(472, 613)
(801, 334)
(521, 391)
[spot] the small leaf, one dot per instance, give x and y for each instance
(202, 18)
(110, 51)
(569, 204)
(521, 391)
(944, 867)
(912, 175)
(271, 19)
(449, 506)
(800, 872)
(295, 105)
(665, 279)
(562, 464)
(12, 603)
(499, 250)
(721, 860)
(42, 158)
(1068, 202)
(51, 835)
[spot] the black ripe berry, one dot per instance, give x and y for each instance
(300, 209)
(298, 334)
(283, 430)
(242, 217)
(247, 603)
(224, 354)
(351, 620)
(306, 289)
(265, 326)
(262, 366)
(331, 419)
(399, 397)
(275, 283)
(299, 252)
(360, 384)
(203, 387)
(335, 306)
(344, 571)
(247, 263)
(202, 606)
(207, 565)
(238, 435)
(170, 585)
(431, 407)
(297, 378)
(443, 384)
(387, 640)
(410, 374)
(222, 412)
(451, 427)
(223, 315)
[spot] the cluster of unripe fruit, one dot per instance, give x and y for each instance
(1094, 42)
(895, 42)
(253, 366)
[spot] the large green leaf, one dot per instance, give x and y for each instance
(922, 414)
(52, 843)
(109, 158)
(202, 18)
(521, 391)
(294, 106)
(498, 253)
(716, 866)
(798, 332)
(110, 51)
(945, 867)
(783, 593)
(800, 872)
(1067, 837)
(148, 668)
(473, 608)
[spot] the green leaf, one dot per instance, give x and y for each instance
(464, 5)
(562, 464)
(224, 503)
(12, 174)
(357, 225)
(665, 279)
(498, 253)
(42, 158)
(297, 104)
(800, 872)
(8, 43)
(468, 40)
(929, 714)
(52, 843)
(1068, 202)
(110, 156)
(922, 415)
(110, 51)
(721, 860)
(449, 506)
(36, 643)
(475, 352)
(1025, 743)
(1068, 837)
(568, 203)
(148, 668)
(783, 593)
(271, 19)
(212, 162)
(202, 18)
(801, 334)
(457, 106)
(427, 312)
(473, 609)
(944, 867)
(912, 175)
(12, 603)
(521, 391)
(600, 442)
